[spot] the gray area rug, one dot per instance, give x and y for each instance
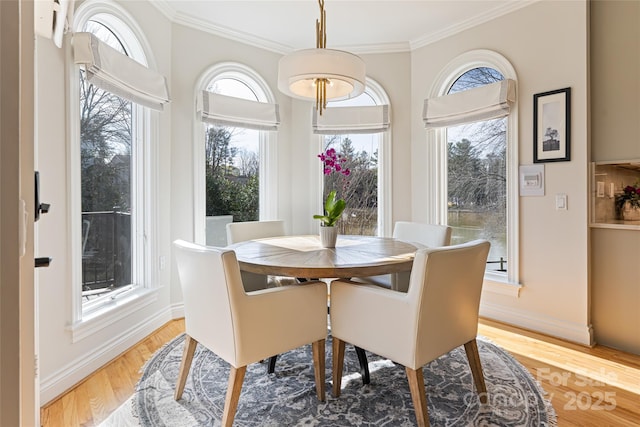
(288, 398)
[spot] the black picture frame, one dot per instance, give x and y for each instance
(552, 126)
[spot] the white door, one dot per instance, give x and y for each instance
(18, 383)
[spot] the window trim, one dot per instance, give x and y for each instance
(385, 220)
(437, 155)
(84, 322)
(385, 184)
(267, 176)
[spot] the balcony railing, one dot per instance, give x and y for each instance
(106, 252)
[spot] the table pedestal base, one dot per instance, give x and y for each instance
(362, 359)
(364, 365)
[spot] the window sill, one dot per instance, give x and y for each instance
(502, 287)
(111, 312)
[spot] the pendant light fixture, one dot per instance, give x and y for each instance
(321, 74)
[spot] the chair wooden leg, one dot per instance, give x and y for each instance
(337, 363)
(236, 377)
(418, 395)
(471, 348)
(319, 367)
(187, 357)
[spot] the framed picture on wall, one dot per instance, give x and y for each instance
(552, 126)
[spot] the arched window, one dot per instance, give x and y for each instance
(472, 117)
(235, 181)
(112, 163)
(361, 147)
(477, 175)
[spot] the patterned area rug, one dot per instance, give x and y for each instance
(287, 398)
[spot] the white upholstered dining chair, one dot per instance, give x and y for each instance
(419, 234)
(242, 231)
(245, 327)
(436, 315)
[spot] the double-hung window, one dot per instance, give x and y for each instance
(114, 94)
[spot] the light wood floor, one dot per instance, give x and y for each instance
(587, 386)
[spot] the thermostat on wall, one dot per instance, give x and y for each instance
(532, 180)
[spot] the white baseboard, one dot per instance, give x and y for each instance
(78, 369)
(177, 310)
(570, 331)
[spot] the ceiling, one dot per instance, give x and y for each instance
(358, 25)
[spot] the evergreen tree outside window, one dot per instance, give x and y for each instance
(232, 161)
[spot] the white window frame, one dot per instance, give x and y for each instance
(268, 185)
(508, 283)
(385, 185)
(85, 320)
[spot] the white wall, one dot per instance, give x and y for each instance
(194, 52)
(393, 72)
(553, 248)
(547, 44)
(63, 363)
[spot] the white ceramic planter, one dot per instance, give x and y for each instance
(328, 236)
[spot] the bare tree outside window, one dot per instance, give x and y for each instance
(359, 189)
(106, 191)
(476, 176)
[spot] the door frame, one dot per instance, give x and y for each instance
(19, 390)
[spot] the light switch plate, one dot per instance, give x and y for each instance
(561, 202)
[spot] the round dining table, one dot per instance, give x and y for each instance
(304, 256)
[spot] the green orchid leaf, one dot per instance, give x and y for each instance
(331, 200)
(333, 209)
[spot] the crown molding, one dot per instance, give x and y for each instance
(164, 8)
(377, 48)
(202, 25)
(489, 15)
(228, 33)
